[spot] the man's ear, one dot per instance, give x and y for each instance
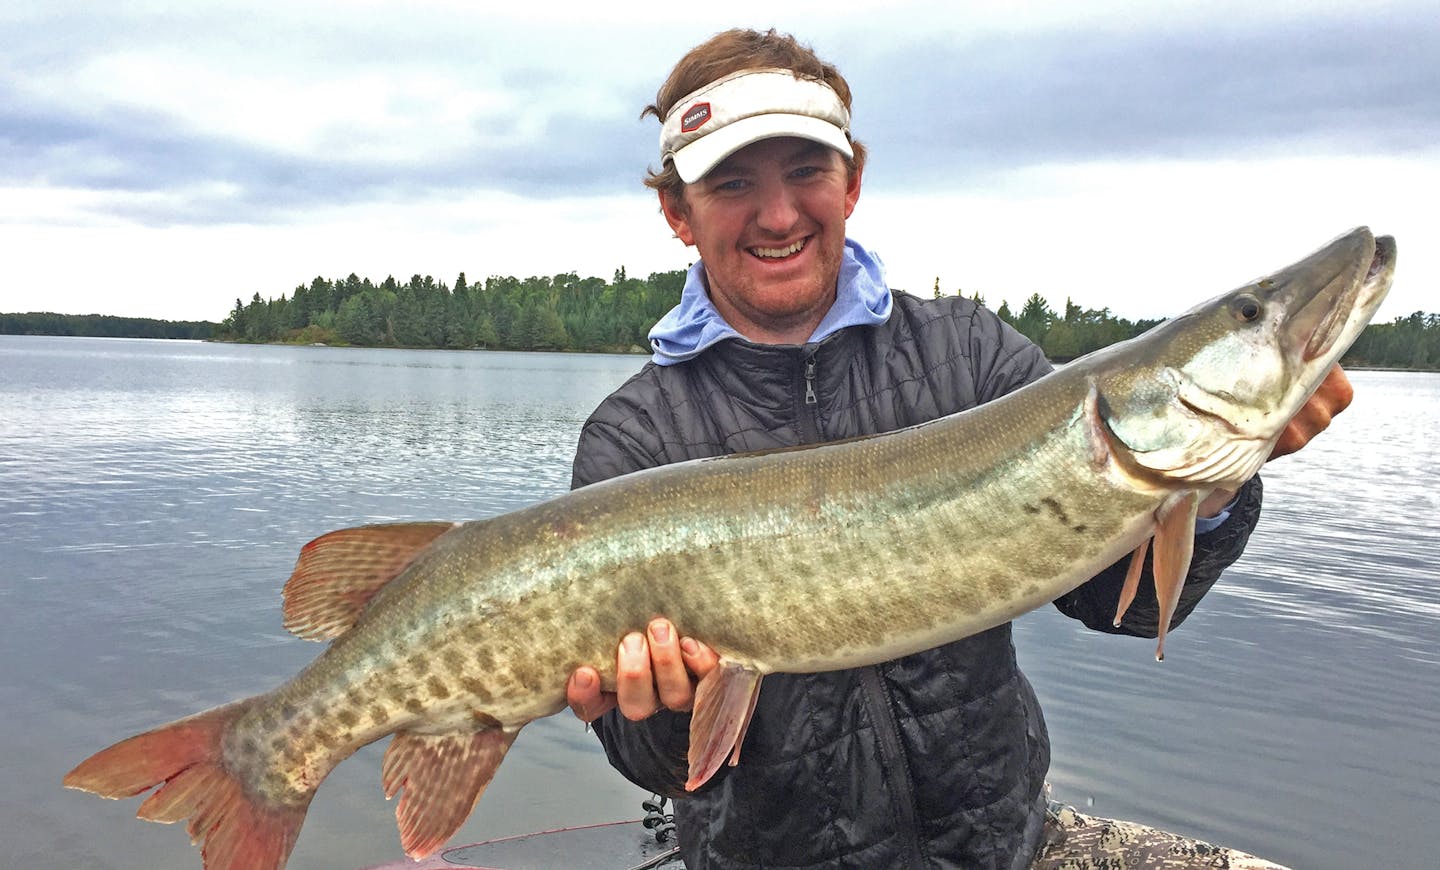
(852, 188)
(677, 215)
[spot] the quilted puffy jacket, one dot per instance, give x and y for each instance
(935, 759)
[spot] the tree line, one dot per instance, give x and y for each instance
(566, 312)
(560, 312)
(1411, 342)
(103, 326)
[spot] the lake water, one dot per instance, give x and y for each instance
(154, 495)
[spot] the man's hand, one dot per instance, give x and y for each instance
(653, 671)
(1330, 398)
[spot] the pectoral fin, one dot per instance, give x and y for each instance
(442, 776)
(724, 703)
(1174, 545)
(1132, 580)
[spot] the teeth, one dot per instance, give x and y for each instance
(775, 253)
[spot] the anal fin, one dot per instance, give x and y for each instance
(1132, 580)
(724, 702)
(442, 776)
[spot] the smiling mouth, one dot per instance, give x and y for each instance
(779, 253)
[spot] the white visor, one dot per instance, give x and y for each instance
(744, 107)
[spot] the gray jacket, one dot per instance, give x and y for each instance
(936, 759)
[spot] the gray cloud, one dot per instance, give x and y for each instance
(1364, 83)
(933, 109)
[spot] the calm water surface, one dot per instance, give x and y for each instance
(153, 496)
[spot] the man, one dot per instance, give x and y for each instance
(787, 334)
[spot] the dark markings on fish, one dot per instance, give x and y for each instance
(476, 688)
(378, 715)
(1056, 509)
(438, 690)
(1030, 509)
(288, 711)
(414, 706)
(1079, 528)
(249, 746)
(347, 718)
(279, 743)
(484, 720)
(325, 738)
(452, 658)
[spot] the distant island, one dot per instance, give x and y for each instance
(103, 326)
(568, 313)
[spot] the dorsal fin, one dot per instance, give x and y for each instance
(338, 573)
(442, 776)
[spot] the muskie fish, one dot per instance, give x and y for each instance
(452, 636)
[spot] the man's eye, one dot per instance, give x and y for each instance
(805, 171)
(732, 184)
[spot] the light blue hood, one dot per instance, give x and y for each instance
(861, 299)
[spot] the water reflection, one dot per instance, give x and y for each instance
(153, 496)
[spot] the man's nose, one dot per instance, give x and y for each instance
(778, 211)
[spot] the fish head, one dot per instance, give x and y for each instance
(1203, 398)
(1261, 350)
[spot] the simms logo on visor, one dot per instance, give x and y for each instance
(695, 116)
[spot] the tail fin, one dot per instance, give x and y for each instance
(184, 758)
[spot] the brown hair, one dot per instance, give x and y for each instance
(732, 51)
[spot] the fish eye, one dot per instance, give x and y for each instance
(1246, 308)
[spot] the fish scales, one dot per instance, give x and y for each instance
(797, 560)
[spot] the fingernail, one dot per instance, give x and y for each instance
(689, 646)
(583, 680)
(660, 631)
(634, 643)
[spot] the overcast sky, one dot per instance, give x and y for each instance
(162, 159)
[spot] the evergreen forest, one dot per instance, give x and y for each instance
(563, 312)
(568, 313)
(103, 326)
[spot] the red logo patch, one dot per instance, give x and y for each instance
(694, 117)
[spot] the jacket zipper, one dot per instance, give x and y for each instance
(809, 417)
(882, 715)
(887, 730)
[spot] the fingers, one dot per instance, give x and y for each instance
(634, 679)
(583, 695)
(1334, 395)
(1337, 391)
(656, 670)
(672, 681)
(699, 658)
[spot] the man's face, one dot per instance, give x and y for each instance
(769, 223)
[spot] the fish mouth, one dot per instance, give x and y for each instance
(1337, 289)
